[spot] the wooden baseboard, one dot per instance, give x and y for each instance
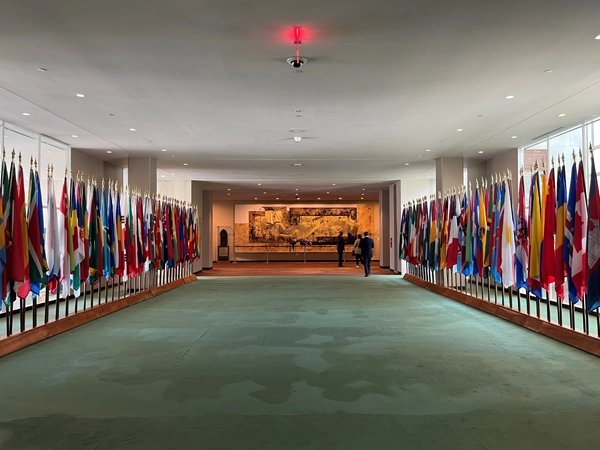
(9, 344)
(553, 330)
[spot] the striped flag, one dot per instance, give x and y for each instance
(522, 251)
(536, 236)
(35, 218)
(18, 261)
(579, 259)
(548, 269)
(3, 239)
(570, 232)
(63, 242)
(593, 242)
(561, 218)
(508, 240)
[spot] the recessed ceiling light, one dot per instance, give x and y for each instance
(333, 184)
(264, 192)
(297, 130)
(548, 71)
(173, 174)
(81, 95)
(419, 156)
(228, 193)
(459, 129)
(406, 164)
(276, 198)
(26, 114)
(364, 189)
(296, 189)
(297, 165)
(297, 198)
(260, 184)
(480, 151)
(108, 151)
(508, 97)
(163, 150)
(228, 189)
(513, 137)
(74, 135)
(255, 198)
(132, 129)
(41, 69)
(185, 164)
(162, 176)
(327, 192)
(562, 115)
(428, 150)
(597, 37)
(340, 198)
(318, 198)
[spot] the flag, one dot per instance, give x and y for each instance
(536, 236)
(2, 241)
(74, 242)
(82, 215)
(467, 253)
(548, 268)
(35, 219)
(444, 235)
(7, 194)
(496, 256)
(95, 240)
(561, 216)
(18, 261)
(508, 240)
(52, 238)
(453, 243)
(490, 195)
(569, 233)
(120, 244)
(593, 242)
(579, 260)
(433, 228)
(522, 251)
(63, 242)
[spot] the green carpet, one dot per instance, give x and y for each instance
(299, 363)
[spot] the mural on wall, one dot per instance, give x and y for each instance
(306, 226)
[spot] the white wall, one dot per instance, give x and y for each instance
(92, 166)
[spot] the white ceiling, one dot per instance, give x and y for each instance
(386, 80)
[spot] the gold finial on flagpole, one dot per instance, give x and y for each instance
(102, 183)
(522, 171)
(574, 156)
(591, 151)
(3, 153)
(476, 184)
(31, 162)
(552, 161)
(580, 154)
(35, 165)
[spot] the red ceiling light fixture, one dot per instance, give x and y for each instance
(297, 61)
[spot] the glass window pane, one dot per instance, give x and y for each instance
(565, 144)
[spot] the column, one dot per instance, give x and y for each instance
(384, 223)
(207, 229)
(142, 173)
(395, 218)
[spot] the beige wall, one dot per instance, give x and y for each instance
(178, 189)
(498, 164)
(92, 166)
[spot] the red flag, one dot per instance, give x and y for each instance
(548, 252)
(579, 260)
(17, 258)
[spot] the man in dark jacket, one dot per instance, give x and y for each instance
(366, 250)
(341, 246)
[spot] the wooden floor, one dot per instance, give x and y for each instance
(221, 269)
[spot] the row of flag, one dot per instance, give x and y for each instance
(92, 232)
(553, 240)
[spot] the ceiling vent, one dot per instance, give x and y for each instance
(546, 134)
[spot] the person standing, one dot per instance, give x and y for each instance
(341, 246)
(366, 252)
(356, 251)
